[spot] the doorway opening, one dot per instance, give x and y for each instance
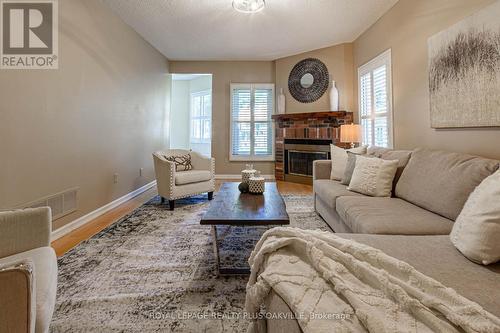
(191, 113)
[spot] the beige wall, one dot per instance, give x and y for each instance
(224, 73)
(405, 29)
(102, 112)
(338, 60)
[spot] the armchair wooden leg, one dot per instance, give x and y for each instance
(210, 195)
(171, 203)
(162, 200)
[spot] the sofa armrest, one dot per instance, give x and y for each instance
(201, 162)
(23, 230)
(322, 169)
(165, 175)
(17, 297)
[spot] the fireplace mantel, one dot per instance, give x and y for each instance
(308, 127)
(310, 115)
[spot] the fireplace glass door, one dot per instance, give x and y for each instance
(301, 162)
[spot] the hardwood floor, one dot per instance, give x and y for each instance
(67, 242)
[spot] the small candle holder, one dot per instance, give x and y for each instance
(257, 183)
(247, 173)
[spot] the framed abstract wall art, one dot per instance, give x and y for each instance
(464, 72)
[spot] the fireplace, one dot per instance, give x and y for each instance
(299, 157)
(301, 138)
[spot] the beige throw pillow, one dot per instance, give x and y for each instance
(339, 160)
(476, 232)
(373, 176)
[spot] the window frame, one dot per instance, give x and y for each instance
(385, 58)
(194, 94)
(252, 157)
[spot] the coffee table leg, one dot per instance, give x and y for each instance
(224, 271)
(216, 248)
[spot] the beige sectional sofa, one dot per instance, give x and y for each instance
(430, 190)
(434, 256)
(414, 225)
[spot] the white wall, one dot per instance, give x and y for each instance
(200, 84)
(179, 115)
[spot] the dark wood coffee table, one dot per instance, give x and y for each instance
(230, 207)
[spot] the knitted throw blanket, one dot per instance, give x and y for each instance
(338, 285)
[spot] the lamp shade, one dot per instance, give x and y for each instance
(350, 133)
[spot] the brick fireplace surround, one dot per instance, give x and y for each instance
(307, 126)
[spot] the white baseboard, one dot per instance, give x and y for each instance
(238, 176)
(67, 228)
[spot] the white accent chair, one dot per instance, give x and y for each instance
(28, 271)
(173, 185)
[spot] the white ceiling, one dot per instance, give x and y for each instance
(213, 30)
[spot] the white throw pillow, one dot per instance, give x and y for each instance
(373, 176)
(339, 160)
(476, 232)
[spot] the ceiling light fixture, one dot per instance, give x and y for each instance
(249, 6)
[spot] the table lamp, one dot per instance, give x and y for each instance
(350, 134)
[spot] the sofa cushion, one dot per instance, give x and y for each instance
(45, 273)
(403, 157)
(436, 257)
(476, 232)
(192, 176)
(376, 151)
(441, 181)
(367, 215)
(329, 190)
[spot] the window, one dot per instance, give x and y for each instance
(201, 117)
(375, 101)
(252, 132)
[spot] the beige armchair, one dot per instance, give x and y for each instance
(173, 185)
(28, 271)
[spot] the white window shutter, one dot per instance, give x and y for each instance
(263, 106)
(365, 106)
(252, 132)
(241, 120)
(375, 101)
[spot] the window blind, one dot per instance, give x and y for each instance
(251, 126)
(374, 81)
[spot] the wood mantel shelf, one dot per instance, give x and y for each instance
(309, 115)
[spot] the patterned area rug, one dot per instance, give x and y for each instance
(154, 271)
